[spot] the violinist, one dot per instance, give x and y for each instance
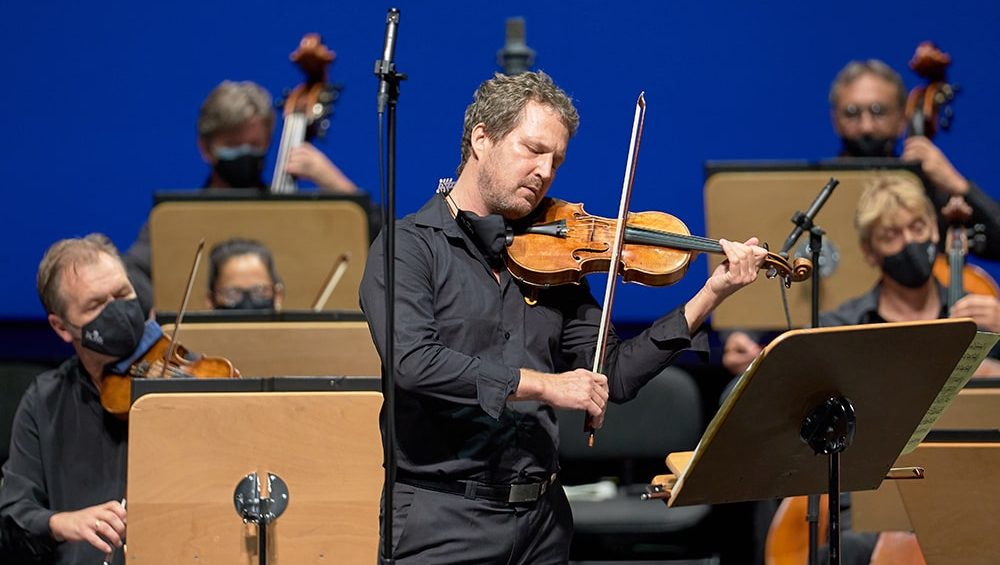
(235, 127)
(60, 501)
(482, 362)
(242, 276)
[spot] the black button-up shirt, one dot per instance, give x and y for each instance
(66, 453)
(461, 339)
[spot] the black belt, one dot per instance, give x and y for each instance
(516, 493)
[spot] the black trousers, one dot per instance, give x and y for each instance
(433, 527)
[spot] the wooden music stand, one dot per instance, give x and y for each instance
(953, 471)
(760, 202)
(953, 509)
(287, 348)
(188, 452)
(306, 237)
(752, 449)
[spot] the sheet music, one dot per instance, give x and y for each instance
(973, 357)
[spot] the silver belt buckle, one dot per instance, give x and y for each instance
(525, 493)
(529, 492)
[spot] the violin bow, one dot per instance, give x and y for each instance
(184, 303)
(332, 280)
(616, 250)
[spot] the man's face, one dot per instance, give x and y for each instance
(868, 106)
(894, 231)
(253, 133)
(86, 289)
(516, 171)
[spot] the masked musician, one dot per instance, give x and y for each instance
(867, 107)
(242, 276)
(479, 368)
(60, 501)
(235, 127)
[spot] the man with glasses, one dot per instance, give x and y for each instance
(867, 107)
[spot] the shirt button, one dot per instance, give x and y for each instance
(506, 335)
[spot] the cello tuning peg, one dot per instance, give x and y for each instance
(948, 112)
(945, 123)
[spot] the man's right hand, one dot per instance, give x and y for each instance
(96, 525)
(739, 351)
(579, 389)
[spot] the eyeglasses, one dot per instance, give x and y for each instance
(233, 295)
(877, 111)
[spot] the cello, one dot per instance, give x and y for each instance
(307, 108)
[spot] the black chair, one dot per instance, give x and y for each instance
(630, 449)
(14, 380)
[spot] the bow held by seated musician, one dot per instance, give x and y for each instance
(242, 276)
(65, 478)
(481, 362)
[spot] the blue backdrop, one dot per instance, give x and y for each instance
(99, 100)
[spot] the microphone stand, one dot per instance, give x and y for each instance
(388, 95)
(805, 222)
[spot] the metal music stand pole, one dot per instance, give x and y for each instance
(388, 95)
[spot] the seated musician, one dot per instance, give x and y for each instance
(241, 276)
(60, 501)
(897, 228)
(867, 102)
(235, 128)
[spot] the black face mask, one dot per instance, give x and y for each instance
(248, 301)
(243, 171)
(869, 146)
(912, 266)
(490, 234)
(116, 331)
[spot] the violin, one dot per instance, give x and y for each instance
(116, 390)
(564, 242)
(164, 358)
(307, 108)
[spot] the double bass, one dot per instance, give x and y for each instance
(307, 108)
(928, 110)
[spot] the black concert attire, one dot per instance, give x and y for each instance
(461, 338)
(66, 453)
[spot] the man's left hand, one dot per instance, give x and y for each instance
(742, 264)
(936, 165)
(985, 310)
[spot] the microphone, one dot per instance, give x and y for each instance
(385, 67)
(805, 221)
(515, 57)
